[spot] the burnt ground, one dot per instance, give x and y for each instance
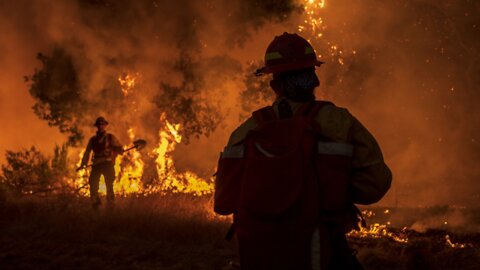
(180, 232)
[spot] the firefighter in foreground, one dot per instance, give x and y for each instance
(105, 149)
(293, 172)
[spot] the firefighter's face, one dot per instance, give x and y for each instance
(297, 85)
(101, 127)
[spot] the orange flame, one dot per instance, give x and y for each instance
(127, 83)
(130, 174)
(313, 26)
(171, 180)
(81, 181)
(455, 245)
(378, 230)
(313, 23)
(129, 169)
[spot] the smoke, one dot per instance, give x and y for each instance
(160, 40)
(409, 74)
(256, 91)
(406, 69)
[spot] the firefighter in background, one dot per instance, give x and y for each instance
(292, 172)
(105, 148)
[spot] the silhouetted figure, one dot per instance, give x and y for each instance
(292, 172)
(105, 148)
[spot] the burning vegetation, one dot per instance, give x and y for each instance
(129, 168)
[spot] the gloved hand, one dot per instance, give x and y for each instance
(119, 150)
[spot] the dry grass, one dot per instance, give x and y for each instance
(169, 232)
(174, 232)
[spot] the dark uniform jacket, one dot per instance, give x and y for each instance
(105, 147)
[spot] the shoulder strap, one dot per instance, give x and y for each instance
(263, 115)
(312, 112)
(311, 109)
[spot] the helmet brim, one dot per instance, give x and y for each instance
(287, 67)
(99, 123)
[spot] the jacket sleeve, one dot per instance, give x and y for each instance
(86, 154)
(239, 134)
(370, 178)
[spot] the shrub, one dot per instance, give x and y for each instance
(30, 172)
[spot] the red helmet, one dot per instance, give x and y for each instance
(288, 52)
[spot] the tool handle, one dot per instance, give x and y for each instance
(128, 149)
(83, 167)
